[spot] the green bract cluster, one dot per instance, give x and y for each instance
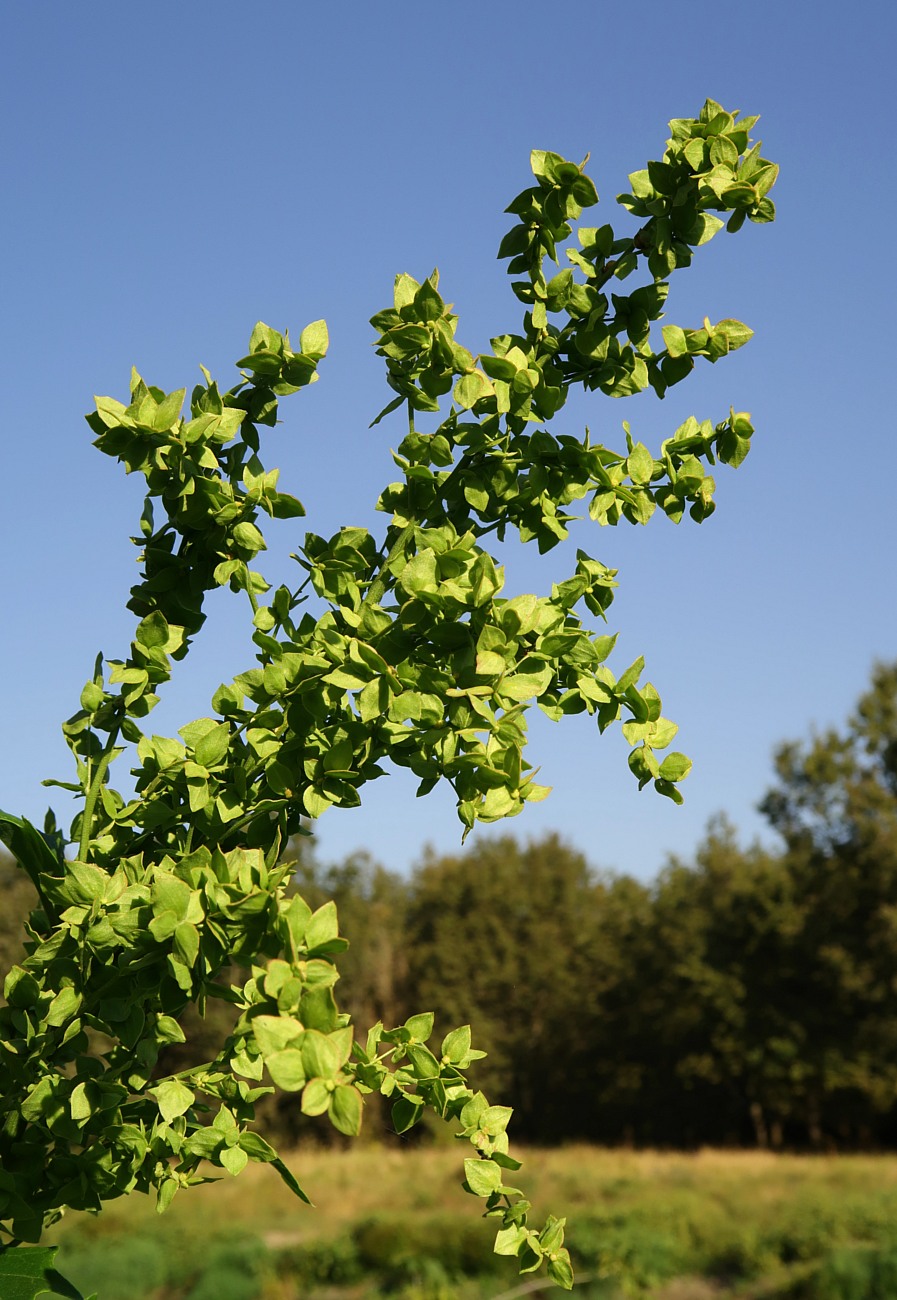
(401, 649)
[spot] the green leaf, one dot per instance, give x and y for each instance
(509, 1240)
(483, 1177)
(640, 464)
(456, 1045)
(288, 1178)
(248, 537)
(675, 767)
(257, 1148)
(92, 697)
(168, 410)
(495, 1119)
(470, 388)
(27, 1272)
(169, 1031)
(315, 802)
(287, 1069)
(274, 1033)
(66, 1002)
(212, 747)
(406, 1112)
(314, 339)
(233, 1159)
(420, 1027)
(560, 1270)
(186, 943)
(675, 340)
(29, 847)
(631, 675)
(734, 332)
(420, 573)
(345, 1110)
(322, 927)
(320, 1055)
(315, 1097)
(174, 1099)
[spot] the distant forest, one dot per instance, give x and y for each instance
(747, 997)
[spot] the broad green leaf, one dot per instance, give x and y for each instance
(174, 1098)
(483, 1177)
(560, 1270)
(675, 767)
(509, 1240)
(274, 1033)
(322, 926)
(470, 388)
(734, 332)
(315, 1097)
(405, 289)
(315, 802)
(456, 1045)
(248, 537)
(233, 1159)
(420, 1026)
(640, 464)
(321, 1056)
(92, 697)
(345, 1110)
(257, 1148)
(287, 1069)
(27, 1272)
(420, 574)
(213, 745)
(675, 340)
(63, 1007)
(168, 410)
(495, 1119)
(406, 1112)
(315, 339)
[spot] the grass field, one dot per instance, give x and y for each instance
(392, 1221)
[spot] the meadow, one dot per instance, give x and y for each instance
(391, 1221)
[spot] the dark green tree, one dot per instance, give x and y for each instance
(835, 806)
(530, 914)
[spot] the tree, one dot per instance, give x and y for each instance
(835, 805)
(531, 917)
(401, 649)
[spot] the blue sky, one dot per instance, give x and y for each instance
(177, 171)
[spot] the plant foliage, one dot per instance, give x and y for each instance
(411, 654)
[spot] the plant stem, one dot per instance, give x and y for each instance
(378, 586)
(90, 800)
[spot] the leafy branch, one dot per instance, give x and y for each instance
(414, 657)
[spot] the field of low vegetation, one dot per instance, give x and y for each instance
(392, 1222)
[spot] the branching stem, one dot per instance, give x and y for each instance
(93, 794)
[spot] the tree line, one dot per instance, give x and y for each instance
(748, 996)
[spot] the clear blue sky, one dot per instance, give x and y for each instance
(176, 171)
